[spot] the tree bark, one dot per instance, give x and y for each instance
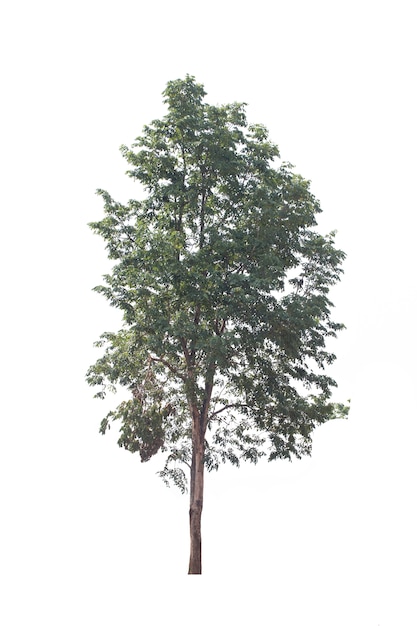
(196, 497)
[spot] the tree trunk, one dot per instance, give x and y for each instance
(196, 499)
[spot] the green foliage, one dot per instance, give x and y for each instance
(223, 282)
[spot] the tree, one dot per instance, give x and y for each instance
(223, 282)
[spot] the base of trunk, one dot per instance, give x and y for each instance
(195, 537)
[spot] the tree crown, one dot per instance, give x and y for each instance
(223, 282)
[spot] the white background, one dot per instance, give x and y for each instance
(88, 534)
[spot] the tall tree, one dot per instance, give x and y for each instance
(223, 282)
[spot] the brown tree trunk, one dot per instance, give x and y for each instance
(196, 498)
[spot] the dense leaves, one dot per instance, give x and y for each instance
(223, 281)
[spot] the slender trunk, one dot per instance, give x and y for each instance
(196, 498)
(199, 420)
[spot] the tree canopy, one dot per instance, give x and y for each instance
(223, 281)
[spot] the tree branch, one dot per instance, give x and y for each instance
(228, 406)
(186, 352)
(219, 328)
(197, 315)
(172, 369)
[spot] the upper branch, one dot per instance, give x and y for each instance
(228, 406)
(219, 328)
(171, 367)
(186, 352)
